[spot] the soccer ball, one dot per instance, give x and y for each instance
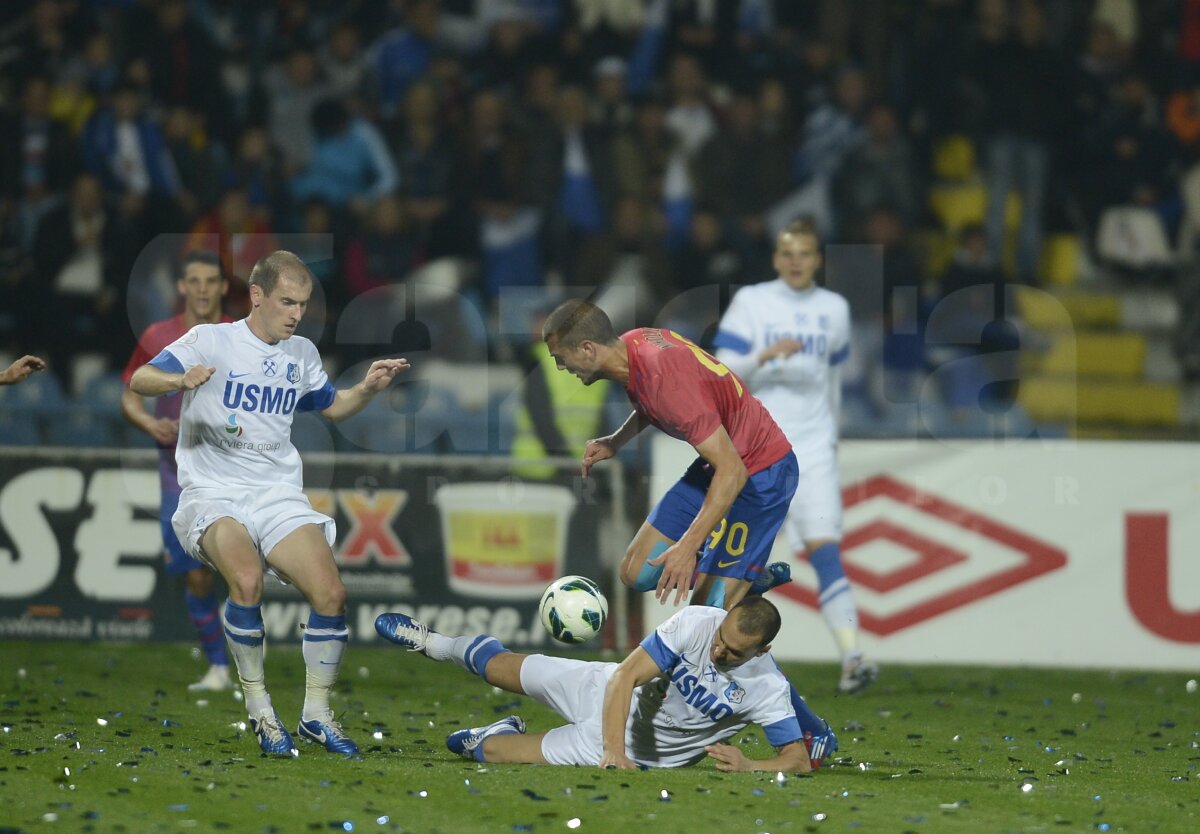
(573, 609)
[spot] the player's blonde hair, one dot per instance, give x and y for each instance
(270, 268)
(804, 227)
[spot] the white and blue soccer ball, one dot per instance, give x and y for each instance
(573, 609)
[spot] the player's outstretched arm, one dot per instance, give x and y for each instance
(791, 758)
(149, 381)
(20, 370)
(349, 401)
(636, 669)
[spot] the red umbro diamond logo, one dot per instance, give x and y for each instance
(976, 555)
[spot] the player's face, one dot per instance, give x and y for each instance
(202, 288)
(731, 648)
(580, 360)
(797, 259)
(280, 312)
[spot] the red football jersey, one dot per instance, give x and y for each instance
(687, 393)
(156, 337)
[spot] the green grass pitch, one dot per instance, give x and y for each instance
(105, 737)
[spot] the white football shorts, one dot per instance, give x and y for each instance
(575, 690)
(816, 510)
(269, 516)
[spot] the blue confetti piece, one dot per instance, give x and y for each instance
(177, 807)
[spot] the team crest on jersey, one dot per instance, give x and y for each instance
(269, 367)
(734, 693)
(293, 373)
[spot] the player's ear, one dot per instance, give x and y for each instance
(763, 650)
(180, 285)
(224, 286)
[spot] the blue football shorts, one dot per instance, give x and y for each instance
(739, 546)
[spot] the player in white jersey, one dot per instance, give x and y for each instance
(698, 679)
(786, 339)
(242, 509)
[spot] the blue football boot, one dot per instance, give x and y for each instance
(776, 574)
(469, 743)
(273, 737)
(820, 745)
(403, 631)
(329, 732)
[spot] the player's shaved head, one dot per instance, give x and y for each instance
(757, 616)
(576, 321)
(270, 268)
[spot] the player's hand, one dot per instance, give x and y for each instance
(679, 564)
(779, 350)
(729, 758)
(21, 369)
(165, 431)
(616, 761)
(195, 376)
(381, 373)
(595, 451)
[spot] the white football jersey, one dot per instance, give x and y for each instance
(236, 429)
(797, 390)
(695, 704)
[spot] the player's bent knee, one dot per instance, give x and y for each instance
(329, 599)
(245, 586)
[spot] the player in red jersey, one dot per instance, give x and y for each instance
(202, 285)
(731, 502)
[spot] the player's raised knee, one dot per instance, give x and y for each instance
(329, 599)
(245, 585)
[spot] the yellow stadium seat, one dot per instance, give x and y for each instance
(958, 205)
(1054, 399)
(1059, 265)
(954, 158)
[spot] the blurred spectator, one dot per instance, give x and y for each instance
(628, 265)
(384, 253)
(343, 60)
(706, 31)
(610, 109)
(37, 158)
(494, 175)
(181, 60)
(879, 172)
(1017, 71)
(294, 88)
(425, 161)
(640, 155)
(240, 236)
(690, 117)
(831, 132)
(82, 260)
(970, 319)
(351, 164)
(739, 173)
(95, 69)
(402, 55)
(256, 169)
(126, 150)
(199, 162)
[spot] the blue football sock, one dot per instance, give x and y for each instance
(202, 611)
(648, 576)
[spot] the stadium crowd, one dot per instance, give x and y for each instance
(651, 149)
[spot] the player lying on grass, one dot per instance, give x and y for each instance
(697, 680)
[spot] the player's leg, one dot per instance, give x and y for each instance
(303, 557)
(227, 545)
(815, 523)
(479, 654)
(669, 520)
(198, 597)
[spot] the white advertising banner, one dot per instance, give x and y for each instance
(1052, 554)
